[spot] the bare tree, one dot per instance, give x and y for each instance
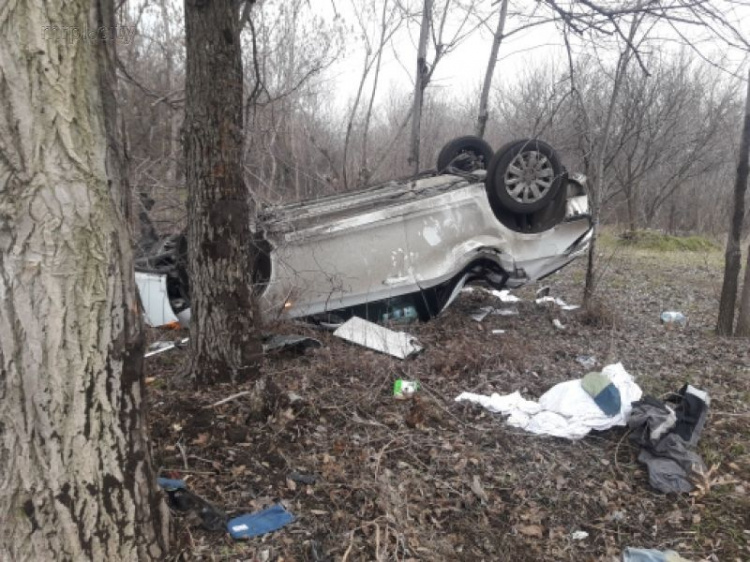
(597, 146)
(288, 49)
(373, 56)
(732, 256)
(420, 83)
(497, 39)
(671, 130)
(224, 328)
(76, 479)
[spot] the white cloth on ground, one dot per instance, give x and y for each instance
(565, 410)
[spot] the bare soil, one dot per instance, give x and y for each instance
(432, 479)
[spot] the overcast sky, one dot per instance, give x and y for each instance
(462, 71)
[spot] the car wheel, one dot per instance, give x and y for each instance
(466, 154)
(524, 176)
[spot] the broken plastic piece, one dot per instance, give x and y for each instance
(670, 317)
(558, 301)
(367, 334)
(481, 314)
(161, 346)
(505, 312)
(259, 523)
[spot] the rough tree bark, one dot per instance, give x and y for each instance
(485, 95)
(732, 256)
(743, 320)
(76, 481)
(420, 83)
(224, 337)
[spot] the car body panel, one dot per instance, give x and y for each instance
(401, 238)
(152, 290)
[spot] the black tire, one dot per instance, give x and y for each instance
(476, 155)
(524, 176)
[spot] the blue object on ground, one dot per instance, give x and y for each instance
(259, 523)
(609, 400)
(604, 393)
(171, 484)
(649, 555)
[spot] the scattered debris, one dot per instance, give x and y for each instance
(667, 436)
(481, 313)
(367, 334)
(558, 301)
(308, 479)
(270, 344)
(404, 315)
(497, 332)
(543, 292)
(161, 346)
(259, 523)
(505, 312)
(504, 295)
(649, 555)
(230, 398)
(579, 535)
(557, 324)
(565, 410)
(671, 318)
(181, 499)
(289, 343)
(588, 361)
(478, 489)
(404, 389)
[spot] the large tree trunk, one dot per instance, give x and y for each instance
(733, 256)
(76, 481)
(743, 322)
(224, 339)
(420, 83)
(485, 95)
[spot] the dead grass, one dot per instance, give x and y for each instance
(432, 479)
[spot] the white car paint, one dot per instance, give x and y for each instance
(392, 240)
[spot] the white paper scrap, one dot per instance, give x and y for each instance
(367, 334)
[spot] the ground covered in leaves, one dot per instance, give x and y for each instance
(432, 479)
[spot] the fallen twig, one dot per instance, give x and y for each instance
(229, 398)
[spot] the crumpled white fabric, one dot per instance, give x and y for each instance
(565, 410)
